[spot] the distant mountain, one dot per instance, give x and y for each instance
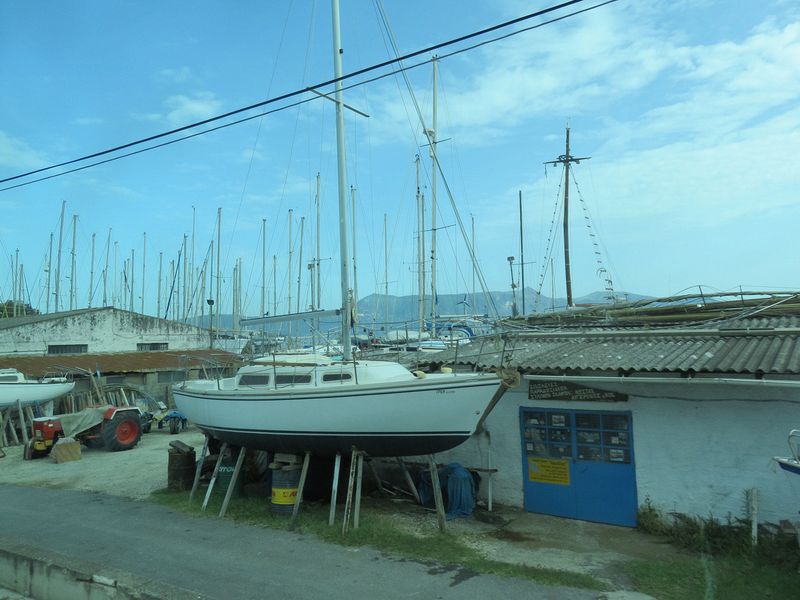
(378, 311)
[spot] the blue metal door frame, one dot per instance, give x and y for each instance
(579, 464)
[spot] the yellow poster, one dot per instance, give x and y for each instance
(547, 470)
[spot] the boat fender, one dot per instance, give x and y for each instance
(446, 370)
(419, 374)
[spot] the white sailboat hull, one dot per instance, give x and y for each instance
(400, 419)
(32, 392)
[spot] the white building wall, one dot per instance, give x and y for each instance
(103, 330)
(691, 457)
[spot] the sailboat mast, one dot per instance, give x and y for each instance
(432, 141)
(144, 266)
(58, 255)
(355, 273)
(300, 261)
(319, 256)
(91, 276)
(570, 303)
(158, 291)
(521, 254)
(105, 270)
(566, 160)
(344, 254)
(263, 267)
(49, 269)
(386, 267)
(219, 246)
(72, 269)
(420, 255)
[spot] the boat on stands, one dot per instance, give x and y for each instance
(14, 386)
(791, 463)
(293, 403)
(329, 405)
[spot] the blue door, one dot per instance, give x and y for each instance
(579, 464)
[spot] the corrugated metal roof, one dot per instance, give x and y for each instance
(743, 353)
(117, 362)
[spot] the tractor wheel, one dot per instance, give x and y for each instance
(122, 432)
(174, 425)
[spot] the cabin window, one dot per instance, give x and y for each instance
(336, 377)
(254, 380)
(8, 378)
(292, 379)
(67, 348)
(152, 347)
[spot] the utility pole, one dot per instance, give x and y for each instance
(566, 159)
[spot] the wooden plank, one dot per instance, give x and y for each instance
(198, 470)
(408, 478)
(437, 494)
(299, 499)
(11, 428)
(214, 474)
(232, 483)
(359, 477)
(3, 439)
(348, 503)
(334, 488)
(23, 426)
(374, 472)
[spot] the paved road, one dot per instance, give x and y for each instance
(219, 559)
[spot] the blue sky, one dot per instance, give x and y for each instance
(689, 110)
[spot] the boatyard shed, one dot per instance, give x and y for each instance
(95, 330)
(682, 412)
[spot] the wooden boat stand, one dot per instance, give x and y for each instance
(352, 506)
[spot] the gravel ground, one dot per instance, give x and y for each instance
(133, 474)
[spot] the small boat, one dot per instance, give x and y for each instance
(791, 463)
(291, 403)
(15, 386)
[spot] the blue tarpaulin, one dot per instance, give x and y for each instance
(458, 490)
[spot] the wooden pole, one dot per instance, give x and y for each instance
(348, 504)
(437, 493)
(22, 425)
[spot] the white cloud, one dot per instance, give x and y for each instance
(179, 75)
(16, 154)
(185, 109)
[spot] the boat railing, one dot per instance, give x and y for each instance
(794, 443)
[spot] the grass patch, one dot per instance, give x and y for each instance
(731, 578)
(379, 532)
(723, 564)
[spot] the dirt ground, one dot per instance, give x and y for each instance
(505, 534)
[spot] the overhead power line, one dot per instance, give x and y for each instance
(311, 88)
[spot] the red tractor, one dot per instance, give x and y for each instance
(115, 428)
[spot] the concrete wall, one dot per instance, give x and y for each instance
(104, 330)
(692, 457)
